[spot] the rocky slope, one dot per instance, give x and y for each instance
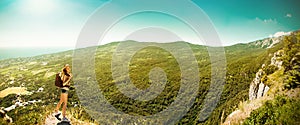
(257, 92)
(258, 88)
(273, 81)
(268, 42)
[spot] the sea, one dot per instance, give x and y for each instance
(17, 52)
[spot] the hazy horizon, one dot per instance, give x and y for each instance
(20, 52)
(27, 51)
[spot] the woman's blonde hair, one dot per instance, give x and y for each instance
(64, 70)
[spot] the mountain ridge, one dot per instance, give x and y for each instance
(243, 62)
(264, 43)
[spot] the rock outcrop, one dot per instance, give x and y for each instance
(5, 116)
(275, 60)
(258, 90)
(257, 87)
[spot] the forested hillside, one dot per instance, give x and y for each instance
(36, 76)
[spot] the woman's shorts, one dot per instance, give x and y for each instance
(63, 90)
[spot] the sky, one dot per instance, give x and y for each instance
(58, 23)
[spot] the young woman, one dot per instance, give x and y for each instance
(66, 76)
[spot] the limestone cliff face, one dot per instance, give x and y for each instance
(257, 87)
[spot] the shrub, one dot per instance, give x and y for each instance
(292, 79)
(280, 111)
(270, 69)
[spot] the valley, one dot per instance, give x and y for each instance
(35, 77)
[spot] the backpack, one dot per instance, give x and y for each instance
(58, 81)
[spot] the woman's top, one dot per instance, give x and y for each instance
(66, 78)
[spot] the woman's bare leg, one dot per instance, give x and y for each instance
(59, 103)
(65, 101)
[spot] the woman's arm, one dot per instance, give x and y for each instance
(67, 79)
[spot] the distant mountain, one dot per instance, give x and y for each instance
(267, 42)
(270, 41)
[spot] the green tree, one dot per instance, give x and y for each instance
(291, 60)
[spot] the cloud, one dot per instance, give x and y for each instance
(288, 15)
(266, 20)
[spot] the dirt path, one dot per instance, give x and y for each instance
(51, 120)
(14, 90)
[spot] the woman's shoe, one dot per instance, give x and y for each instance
(57, 116)
(65, 119)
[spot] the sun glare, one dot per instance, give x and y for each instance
(40, 6)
